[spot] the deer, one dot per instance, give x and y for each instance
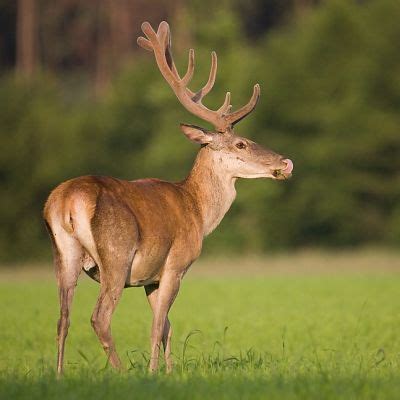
(148, 232)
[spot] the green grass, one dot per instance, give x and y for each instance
(310, 336)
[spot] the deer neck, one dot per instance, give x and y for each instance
(211, 187)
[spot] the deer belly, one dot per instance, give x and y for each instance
(148, 263)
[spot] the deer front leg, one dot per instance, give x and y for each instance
(152, 295)
(166, 294)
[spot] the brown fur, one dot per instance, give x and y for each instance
(147, 232)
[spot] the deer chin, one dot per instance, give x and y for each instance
(272, 174)
(279, 175)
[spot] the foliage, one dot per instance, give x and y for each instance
(332, 104)
(330, 101)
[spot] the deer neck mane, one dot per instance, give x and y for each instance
(211, 187)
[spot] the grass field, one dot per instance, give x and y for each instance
(306, 326)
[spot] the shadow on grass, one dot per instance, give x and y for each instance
(109, 385)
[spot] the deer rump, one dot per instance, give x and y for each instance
(140, 223)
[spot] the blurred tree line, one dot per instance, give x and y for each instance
(78, 98)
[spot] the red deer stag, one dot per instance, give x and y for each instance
(148, 232)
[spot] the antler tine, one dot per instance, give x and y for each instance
(149, 32)
(200, 94)
(238, 115)
(163, 33)
(144, 43)
(147, 44)
(226, 106)
(190, 69)
(164, 39)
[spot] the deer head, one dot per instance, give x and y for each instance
(238, 157)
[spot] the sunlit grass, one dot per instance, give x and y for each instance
(304, 335)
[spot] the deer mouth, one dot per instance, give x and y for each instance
(285, 172)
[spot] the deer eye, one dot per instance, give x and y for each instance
(241, 145)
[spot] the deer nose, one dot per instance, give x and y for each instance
(289, 166)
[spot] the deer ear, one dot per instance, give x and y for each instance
(197, 134)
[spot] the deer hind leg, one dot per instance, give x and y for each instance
(68, 256)
(115, 259)
(114, 234)
(110, 293)
(152, 294)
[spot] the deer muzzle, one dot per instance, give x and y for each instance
(286, 171)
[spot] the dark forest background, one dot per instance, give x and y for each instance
(77, 96)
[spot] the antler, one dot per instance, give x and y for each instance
(222, 119)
